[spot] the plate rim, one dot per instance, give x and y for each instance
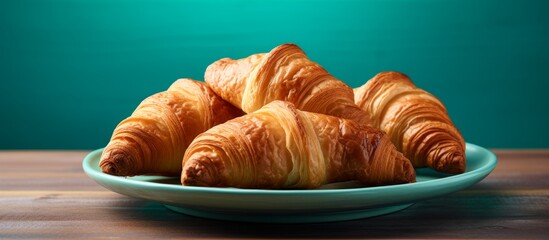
(292, 206)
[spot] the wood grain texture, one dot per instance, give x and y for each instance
(46, 195)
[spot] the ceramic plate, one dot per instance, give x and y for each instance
(333, 202)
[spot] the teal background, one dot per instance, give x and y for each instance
(70, 70)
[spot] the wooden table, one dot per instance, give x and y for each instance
(45, 194)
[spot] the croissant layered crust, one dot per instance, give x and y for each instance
(287, 74)
(154, 138)
(416, 121)
(281, 147)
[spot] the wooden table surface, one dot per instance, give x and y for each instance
(46, 194)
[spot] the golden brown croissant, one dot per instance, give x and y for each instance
(154, 138)
(416, 121)
(279, 146)
(285, 73)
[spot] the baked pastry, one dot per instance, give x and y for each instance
(417, 122)
(154, 138)
(285, 73)
(281, 147)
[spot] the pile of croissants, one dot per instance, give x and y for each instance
(278, 120)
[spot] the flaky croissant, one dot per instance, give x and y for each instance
(416, 121)
(280, 147)
(154, 138)
(285, 73)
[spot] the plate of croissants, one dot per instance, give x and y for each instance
(274, 137)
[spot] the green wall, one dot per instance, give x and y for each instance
(70, 70)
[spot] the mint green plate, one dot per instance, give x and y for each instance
(333, 202)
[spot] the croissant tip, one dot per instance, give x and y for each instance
(453, 164)
(457, 164)
(410, 176)
(198, 174)
(109, 168)
(115, 164)
(409, 173)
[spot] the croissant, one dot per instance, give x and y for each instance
(154, 138)
(280, 147)
(416, 121)
(285, 73)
